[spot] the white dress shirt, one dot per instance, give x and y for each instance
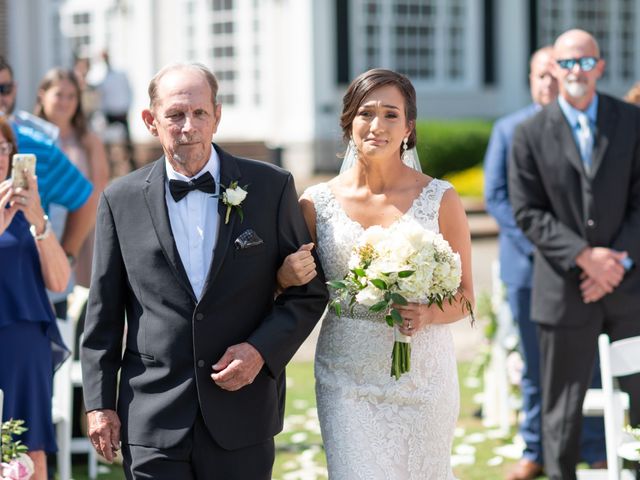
(194, 223)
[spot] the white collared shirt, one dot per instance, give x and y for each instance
(194, 223)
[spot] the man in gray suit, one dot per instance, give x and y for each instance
(574, 180)
(198, 390)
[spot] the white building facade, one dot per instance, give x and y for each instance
(283, 65)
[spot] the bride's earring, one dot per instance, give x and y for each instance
(404, 149)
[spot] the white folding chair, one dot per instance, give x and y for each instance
(497, 406)
(617, 359)
(77, 302)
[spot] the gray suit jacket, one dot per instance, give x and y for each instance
(161, 378)
(562, 209)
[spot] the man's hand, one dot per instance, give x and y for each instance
(591, 290)
(104, 432)
(603, 266)
(299, 268)
(238, 367)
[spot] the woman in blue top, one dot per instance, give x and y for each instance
(30, 260)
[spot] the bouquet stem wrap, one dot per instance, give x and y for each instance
(401, 353)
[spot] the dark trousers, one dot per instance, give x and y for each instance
(199, 457)
(567, 358)
(592, 444)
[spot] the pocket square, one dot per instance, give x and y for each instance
(247, 239)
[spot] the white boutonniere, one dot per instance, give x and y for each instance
(232, 197)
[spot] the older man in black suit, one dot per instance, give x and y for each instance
(574, 177)
(201, 388)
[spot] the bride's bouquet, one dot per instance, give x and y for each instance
(394, 266)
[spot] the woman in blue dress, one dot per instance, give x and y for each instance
(31, 259)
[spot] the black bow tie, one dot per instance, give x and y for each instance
(204, 183)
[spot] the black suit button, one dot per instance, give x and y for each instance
(591, 223)
(200, 363)
(199, 316)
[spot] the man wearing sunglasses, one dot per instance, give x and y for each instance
(516, 271)
(59, 181)
(574, 183)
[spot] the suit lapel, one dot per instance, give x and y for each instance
(606, 127)
(563, 135)
(154, 194)
(229, 172)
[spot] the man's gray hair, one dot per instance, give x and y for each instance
(198, 67)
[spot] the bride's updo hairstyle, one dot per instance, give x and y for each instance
(366, 83)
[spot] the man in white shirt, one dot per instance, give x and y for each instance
(189, 247)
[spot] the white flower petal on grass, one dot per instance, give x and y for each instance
(511, 451)
(495, 461)
(464, 449)
(299, 437)
(462, 460)
(496, 433)
(459, 432)
(476, 438)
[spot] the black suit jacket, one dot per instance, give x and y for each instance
(562, 209)
(172, 339)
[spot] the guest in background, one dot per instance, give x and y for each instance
(74, 193)
(115, 101)
(574, 184)
(31, 259)
(516, 271)
(59, 102)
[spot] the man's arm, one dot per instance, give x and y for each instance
(496, 191)
(101, 352)
(295, 312)
(78, 225)
(297, 309)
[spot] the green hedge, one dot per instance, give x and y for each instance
(447, 146)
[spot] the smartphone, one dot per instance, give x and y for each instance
(20, 163)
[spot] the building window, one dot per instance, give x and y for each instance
(424, 39)
(222, 50)
(611, 23)
(80, 33)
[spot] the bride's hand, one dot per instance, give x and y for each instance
(415, 317)
(299, 268)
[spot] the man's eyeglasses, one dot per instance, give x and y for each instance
(6, 88)
(6, 148)
(586, 63)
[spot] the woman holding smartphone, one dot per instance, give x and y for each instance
(30, 260)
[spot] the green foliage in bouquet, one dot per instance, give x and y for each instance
(10, 448)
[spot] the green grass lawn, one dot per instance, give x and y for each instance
(299, 446)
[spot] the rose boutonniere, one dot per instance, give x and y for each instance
(232, 197)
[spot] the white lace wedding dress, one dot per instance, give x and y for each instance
(373, 426)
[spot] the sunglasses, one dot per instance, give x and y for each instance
(6, 88)
(586, 63)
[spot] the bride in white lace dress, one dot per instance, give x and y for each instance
(373, 426)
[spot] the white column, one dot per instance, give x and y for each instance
(511, 44)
